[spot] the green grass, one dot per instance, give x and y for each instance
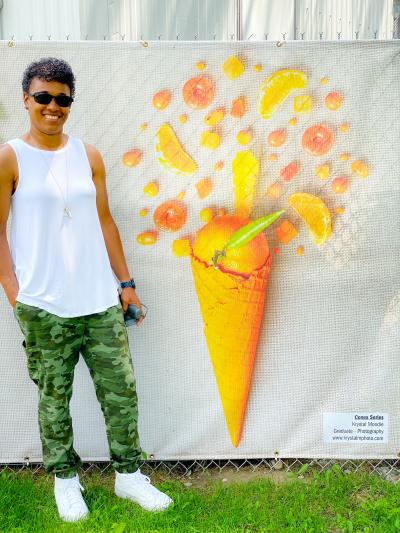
(321, 502)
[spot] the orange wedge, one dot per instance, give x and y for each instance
(171, 155)
(275, 89)
(314, 213)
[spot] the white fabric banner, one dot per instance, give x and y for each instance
(227, 133)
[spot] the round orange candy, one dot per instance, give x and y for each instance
(277, 137)
(170, 215)
(132, 157)
(340, 185)
(161, 99)
(198, 92)
(317, 140)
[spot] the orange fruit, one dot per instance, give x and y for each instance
(232, 67)
(210, 140)
(360, 168)
(288, 172)
(147, 237)
(214, 236)
(132, 157)
(276, 88)
(340, 185)
(317, 139)
(214, 116)
(170, 215)
(204, 187)
(333, 101)
(198, 92)
(314, 213)
(276, 137)
(181, 247)
(238, 108)
(161, 99)
(151, 189)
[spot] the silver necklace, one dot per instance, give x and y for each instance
(66, 210)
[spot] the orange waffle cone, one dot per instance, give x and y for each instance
(232, 310)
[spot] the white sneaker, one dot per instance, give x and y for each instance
(70, 504)
(137, 487)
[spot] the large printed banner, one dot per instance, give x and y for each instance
(257, 190)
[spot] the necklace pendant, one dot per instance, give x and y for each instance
(67, 212)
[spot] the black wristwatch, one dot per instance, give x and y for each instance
(130, 283)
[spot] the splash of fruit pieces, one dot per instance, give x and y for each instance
(238, 108)
(161, 99)
(245, 169)
(204, 187)
(198, 92)
(276, 88)
(302, 103)
(276, 138)
(340, 185)
(288, 172)
(214, 117)
(285, 232)
(132, 157)
(360, 168)
(314, 213)
(317, 139)
(232, 67)
(147, 238)
(210, 140)
(171, 155)
(170, 215)
(181, 247)
(151, 189)
(333, 101)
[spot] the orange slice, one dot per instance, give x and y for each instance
(277, 88)
(317, 139)
(171, 155)
(198, 92)
(170, 215)
(314, 213)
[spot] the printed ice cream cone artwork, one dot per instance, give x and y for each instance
(223, 131)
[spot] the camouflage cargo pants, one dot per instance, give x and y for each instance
(52, 346)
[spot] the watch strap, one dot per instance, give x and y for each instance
(130, 283)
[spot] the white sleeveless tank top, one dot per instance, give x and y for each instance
(61, 263)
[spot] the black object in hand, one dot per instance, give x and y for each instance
(132, 315)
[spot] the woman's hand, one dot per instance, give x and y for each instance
(129, 296)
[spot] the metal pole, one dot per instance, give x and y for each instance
(239, 20)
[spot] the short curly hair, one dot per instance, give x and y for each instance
(49, 69)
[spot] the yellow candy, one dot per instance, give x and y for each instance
(143, 212)
(182, 118)
(302, 103)
(339, 210)
(232, 67)
(143, 126)
(272, 157)
(219, 165)
(210, 140)
(181, 247)
(200, 65)
(344, 127)
(206, 214)
(275, 190)
(360, 168)
(323, 81)
(300, 250)
(293, 121)
(257, 68)
(151, 189)
(180, 195)
(322, 172)
(344, 157)
(244, 136)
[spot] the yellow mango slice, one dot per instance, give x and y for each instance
(245, 169)
(171, 155)
(314, 213)
(275, 89)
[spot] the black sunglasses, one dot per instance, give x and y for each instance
(45, 98)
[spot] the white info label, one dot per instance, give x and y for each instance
(364, 428)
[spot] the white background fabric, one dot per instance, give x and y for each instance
(330, 340)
